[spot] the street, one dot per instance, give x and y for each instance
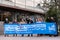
(29, 38)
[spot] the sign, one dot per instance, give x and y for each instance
(37, 28)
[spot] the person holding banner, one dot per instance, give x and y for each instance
(29, 21)
(14, 22)
(6, 22)
(52, 20)
(39, 20)
(22, 22)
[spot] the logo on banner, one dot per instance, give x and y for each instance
(52, 28)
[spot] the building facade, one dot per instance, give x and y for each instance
(16, 9)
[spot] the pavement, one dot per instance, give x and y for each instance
(2, 37)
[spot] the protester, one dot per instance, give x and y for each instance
(29, 21)
(14, 22)
(39, 20)
(50, 20)
(6, 22)
(22, 22)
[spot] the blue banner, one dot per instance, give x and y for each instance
(37, 28)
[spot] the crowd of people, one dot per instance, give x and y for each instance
(30, 21)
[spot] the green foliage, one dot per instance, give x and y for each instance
(52, 12)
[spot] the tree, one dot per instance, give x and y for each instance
(53, 11)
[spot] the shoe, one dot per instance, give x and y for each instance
(28, 35)
(31, 35)
(22, 35)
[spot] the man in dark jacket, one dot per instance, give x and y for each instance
(6, 22)
(29, 21)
